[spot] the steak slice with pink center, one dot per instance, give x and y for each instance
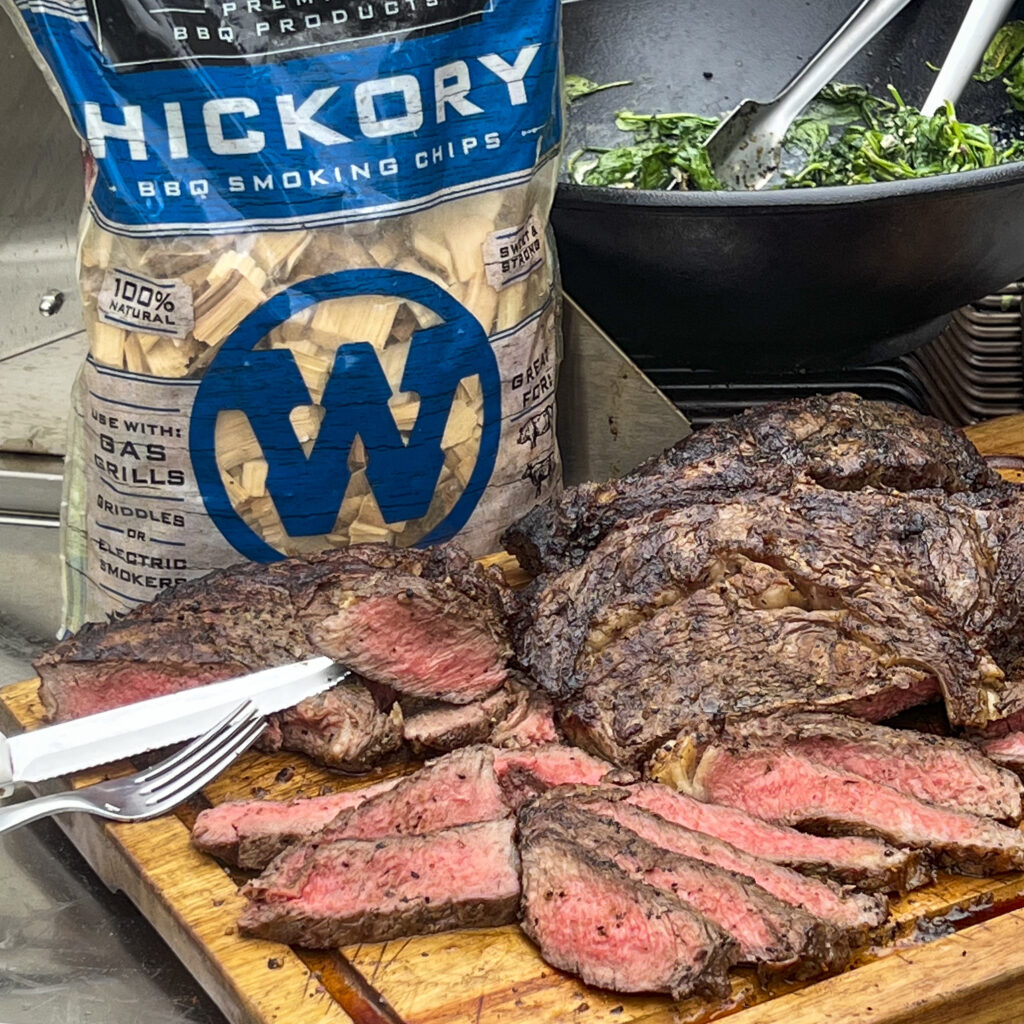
(251, 833)
(356, 890)
(856, 913)
(792, 790)
(766, 930)
(870, 864)
(938, 769)
(588, 917)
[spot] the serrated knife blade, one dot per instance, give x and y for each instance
(58, 750)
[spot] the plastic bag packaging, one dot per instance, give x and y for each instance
(319, 287)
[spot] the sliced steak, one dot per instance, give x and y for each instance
(839, 442)
(867, 863)
(529, 723)
(445, 727)
(1006, 750)
(765, 930)
(856, 913)
(588, 917)
(454, 790)
(940, 770)
(483, 783)
(790, 789)
(428, 623)
(251, 833)
(355, 890)
(522, 774)
(342, 728)
(899, 587)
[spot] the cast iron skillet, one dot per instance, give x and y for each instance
(749, 282)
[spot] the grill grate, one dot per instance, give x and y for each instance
(973, 370)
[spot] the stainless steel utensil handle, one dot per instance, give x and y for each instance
(41, 807)
(849, 39)
(980, 24)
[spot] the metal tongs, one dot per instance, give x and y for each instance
(745, 149)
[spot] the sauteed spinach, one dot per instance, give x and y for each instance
(847, 137)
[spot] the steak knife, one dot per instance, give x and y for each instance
(57, 750)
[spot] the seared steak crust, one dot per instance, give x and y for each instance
(839, 442)
(815, 597)
(426, 621)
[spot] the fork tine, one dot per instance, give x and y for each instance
(199, 744)
(200, 750)
(173, 791)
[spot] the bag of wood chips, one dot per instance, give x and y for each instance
(318, 282)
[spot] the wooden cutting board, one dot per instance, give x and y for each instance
(974, 974)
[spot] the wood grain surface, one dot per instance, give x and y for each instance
(970, 972)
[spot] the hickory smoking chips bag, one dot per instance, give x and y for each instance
(319, 291)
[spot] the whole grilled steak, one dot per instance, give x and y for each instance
(788, 788)
(765, 930)
(342, 728)
(939, 770)
(839, 442)
(860, 601)
(856, 913)
(357, 890)
(589, 917)
(867, 863)
(427, 623)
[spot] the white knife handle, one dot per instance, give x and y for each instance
(6, 768)
(42, 807)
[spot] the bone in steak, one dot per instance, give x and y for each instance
(860, 601)
(589, 917)
(839, 442)
(867, 863)
(788, 788)
(766, 930)
(428, 623)
(342, 728)
(358, 890)
(856, 913)
(939, 770)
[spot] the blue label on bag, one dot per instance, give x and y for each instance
(303, 112)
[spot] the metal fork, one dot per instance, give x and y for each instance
(157, 790)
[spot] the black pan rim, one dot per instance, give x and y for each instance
(938, 185)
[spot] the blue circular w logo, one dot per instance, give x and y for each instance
(267, 386)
